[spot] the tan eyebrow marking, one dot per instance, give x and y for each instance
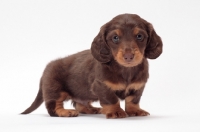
(136, 30)
(118, 32)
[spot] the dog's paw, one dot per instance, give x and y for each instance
(113, 111)
(137, 112)
(87, 109)
(95, 110)
(67, 113)
(91, 110)
(116, 114)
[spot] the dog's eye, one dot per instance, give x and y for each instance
(115, 39)
(140, 37)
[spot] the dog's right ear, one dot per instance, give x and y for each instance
(99, 48)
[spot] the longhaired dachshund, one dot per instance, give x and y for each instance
(115, 67)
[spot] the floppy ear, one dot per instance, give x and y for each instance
(154, 44)
(99, 48)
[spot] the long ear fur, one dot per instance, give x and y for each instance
(99, 48)
(154, 44)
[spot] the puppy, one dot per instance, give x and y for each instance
(115, 67)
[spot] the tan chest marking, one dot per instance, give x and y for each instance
(136, 85)
(115, 86)
(121, 86)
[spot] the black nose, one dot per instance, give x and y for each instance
(128, 57)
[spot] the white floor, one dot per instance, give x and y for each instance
(162, 119)
(89, 123)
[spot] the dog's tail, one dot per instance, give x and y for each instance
(37, 102)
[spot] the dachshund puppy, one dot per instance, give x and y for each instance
(115, 67)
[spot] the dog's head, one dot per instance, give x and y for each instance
(127, 38)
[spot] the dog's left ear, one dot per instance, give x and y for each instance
(154, 44)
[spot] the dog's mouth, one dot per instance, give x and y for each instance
(128, 64)
(129, 59)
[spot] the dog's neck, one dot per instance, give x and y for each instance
(128, 73)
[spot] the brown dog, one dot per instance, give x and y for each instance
(115, 67)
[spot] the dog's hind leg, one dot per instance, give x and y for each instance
(56, 108)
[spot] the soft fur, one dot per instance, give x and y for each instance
(115, 67)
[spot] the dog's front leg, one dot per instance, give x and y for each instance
(132, 106)
(108, 100)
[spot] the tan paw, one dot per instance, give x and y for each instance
(137, 112)
(92, 110)
(67, 113)
(113, 111)
(116, 114)
(119, 113)
(95, 110)
(87, 109)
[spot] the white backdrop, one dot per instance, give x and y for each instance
(34, 32)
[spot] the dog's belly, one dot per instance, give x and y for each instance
(80, 76)
(79, 90)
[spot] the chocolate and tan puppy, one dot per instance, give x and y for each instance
(115, 67)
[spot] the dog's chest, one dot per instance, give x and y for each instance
(126, 81)
(124, 87)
